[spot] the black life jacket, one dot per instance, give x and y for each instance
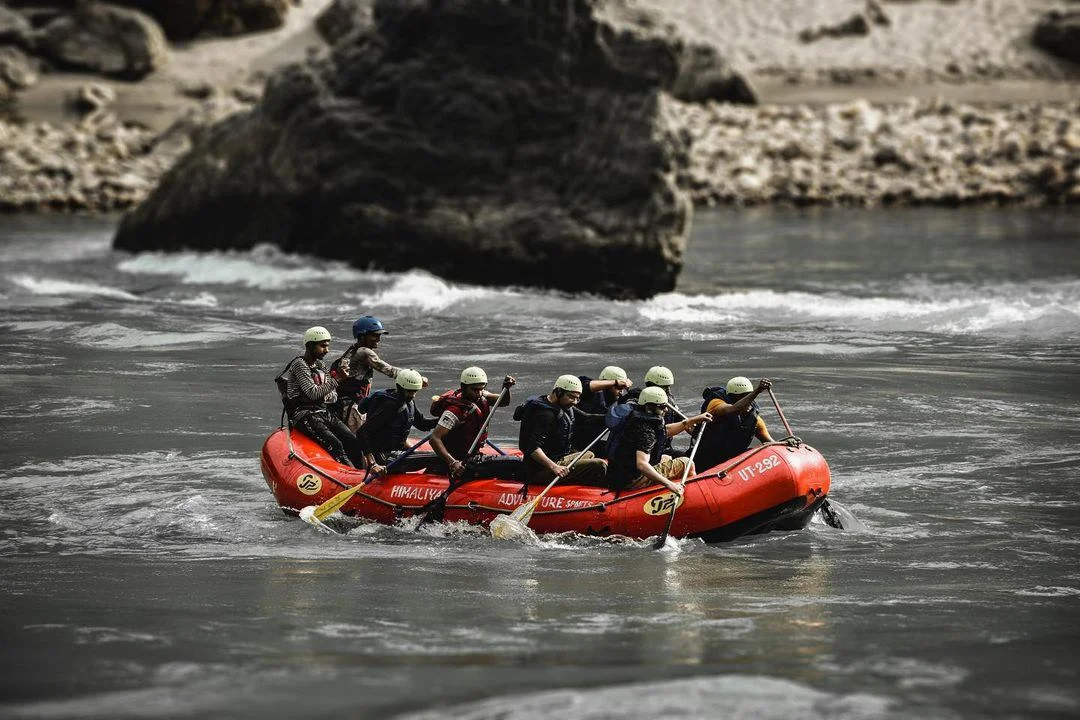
(670, 416)
(292, 405)
(727, 437)
(535, 410)
(389, 420)
(353, 389)
(622, 458)
(471, 415)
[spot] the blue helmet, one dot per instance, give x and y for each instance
(367, 324)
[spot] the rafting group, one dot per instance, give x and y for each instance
(600, 432)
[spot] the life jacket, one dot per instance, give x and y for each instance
(471, 416)
(727, 437)
(622, 458)
(352, 389)
(292, 405)
(670, 416)
(559, 437)
(389, 420)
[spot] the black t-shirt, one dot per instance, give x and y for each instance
(639, 434)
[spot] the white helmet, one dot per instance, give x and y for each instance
(652, 395)
(409, 379)
(739, 385)
(316, 334)
(569, 383)
(473, 376)
(660, 375)
(613, 372)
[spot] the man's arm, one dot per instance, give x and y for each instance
(646, 469)
(446, 422)
(675, 428)
(762, 431)
(301, 376)
(508, 382)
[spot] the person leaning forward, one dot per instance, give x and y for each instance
(391, 414)
(736, 420)
(545, 437)
(461, 414)
(635, 457)
(309, 392)
(596, 397)
(661, 377)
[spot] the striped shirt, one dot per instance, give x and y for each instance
(311, 385)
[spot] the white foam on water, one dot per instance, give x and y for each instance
(1049, 307)
(68, 288)
(119, 337)
(741, 696)
(423, 291)
(264, 267)
(1049, 591)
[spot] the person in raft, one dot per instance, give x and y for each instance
(596, 397)
(391, 414)
(461, 415)
(638, 430)
(308, 392)
(736, 420)
(545, 437)
(660, 377)
(362, 362)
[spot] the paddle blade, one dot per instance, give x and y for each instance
(329, 507)
(505, 527)
(307, 514)
(524, 512)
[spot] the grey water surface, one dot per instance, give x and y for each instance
(931, 355)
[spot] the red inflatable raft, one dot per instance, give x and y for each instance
(769, 487)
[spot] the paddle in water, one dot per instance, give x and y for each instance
(315, 515)
(435, 508)
(831, 518)
(515, 525)
(662, 540)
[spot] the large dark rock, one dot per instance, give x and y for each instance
(341, 17)
(1058, 33)
(102, 38)
(15, 29)
(185, 19)
(490, 141)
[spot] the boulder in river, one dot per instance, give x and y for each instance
(488, 141)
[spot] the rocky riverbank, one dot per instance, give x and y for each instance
(809, 142)
(928, 152)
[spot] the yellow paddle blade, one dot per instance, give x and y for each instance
(329, 507)
(524, 512)
(505, 527)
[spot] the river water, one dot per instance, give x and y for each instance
(932, 356)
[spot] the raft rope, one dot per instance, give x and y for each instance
(400, 510)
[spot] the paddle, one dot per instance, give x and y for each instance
(660, 541)
(831, 518)
(437, 505)
(327, 508)
(506, 527)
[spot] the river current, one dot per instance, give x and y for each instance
(931, 355)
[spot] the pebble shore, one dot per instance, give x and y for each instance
(912, 153)
(857, 153)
